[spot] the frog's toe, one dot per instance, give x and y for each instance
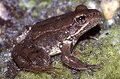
(93, 67)
(11, 71)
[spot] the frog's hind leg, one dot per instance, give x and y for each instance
(71, 61)
(37, 61)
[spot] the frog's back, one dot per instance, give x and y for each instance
(51, 24)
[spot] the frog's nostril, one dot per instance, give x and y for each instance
(94, 13)
(97, 13)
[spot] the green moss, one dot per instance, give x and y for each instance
(107, 53)
(28, 75)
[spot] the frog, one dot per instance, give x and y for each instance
(55, 35)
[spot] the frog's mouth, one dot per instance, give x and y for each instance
(94, 22)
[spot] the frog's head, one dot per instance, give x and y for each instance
(85, 19)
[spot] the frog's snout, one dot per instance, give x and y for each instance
(95, 13)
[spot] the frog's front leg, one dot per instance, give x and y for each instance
(71, 61)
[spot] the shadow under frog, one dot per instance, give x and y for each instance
(55, 35)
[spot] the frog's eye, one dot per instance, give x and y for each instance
(80, 19)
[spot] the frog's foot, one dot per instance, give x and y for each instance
(12, 70)
(73, 62)
(93, 67)
(45, 69)
(76, 64)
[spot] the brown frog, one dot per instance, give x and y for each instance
(55, 35)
